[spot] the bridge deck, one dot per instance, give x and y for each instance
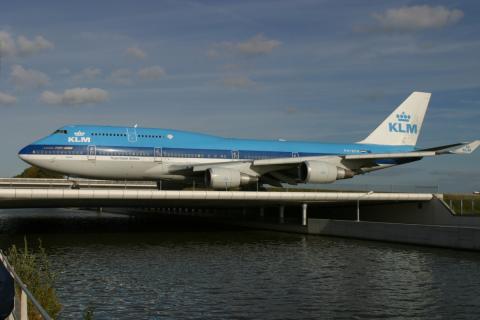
(61, 197)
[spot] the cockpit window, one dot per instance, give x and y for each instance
(60, 131)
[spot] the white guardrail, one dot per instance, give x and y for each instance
(69, 183)
(21, 312)
(119, 184)
(126, 194)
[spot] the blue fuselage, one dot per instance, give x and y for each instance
(149, 142)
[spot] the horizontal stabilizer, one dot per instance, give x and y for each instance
(466, 148)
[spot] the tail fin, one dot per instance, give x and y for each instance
(402, 127)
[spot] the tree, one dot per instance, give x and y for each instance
(36, 172)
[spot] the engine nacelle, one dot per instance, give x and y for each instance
(222, 178)
(322, 172)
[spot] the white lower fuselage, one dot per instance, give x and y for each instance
(118, 167)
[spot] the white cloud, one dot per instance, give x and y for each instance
(50, 97)
(6, 99)
(256, 45)
(136, 52)
(212, 53)
(121, 76)
(238, 82)
(29, 47)
(22, 46)
(7, 44)
(64, 71)
(125, 76)
(102, 36)
(87, 74)
(28, 78)
(151, 73)
(75, 96)
(417, 18)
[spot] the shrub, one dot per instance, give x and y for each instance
(33, 268)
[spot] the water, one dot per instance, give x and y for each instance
(151, 269)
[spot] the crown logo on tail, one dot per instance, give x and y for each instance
(403, 117)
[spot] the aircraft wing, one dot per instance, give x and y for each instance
(458, 148)
(276, 171)
(290, 161)
(226, 164)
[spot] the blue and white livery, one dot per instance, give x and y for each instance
(132, 153)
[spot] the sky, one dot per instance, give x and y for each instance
(297, 70)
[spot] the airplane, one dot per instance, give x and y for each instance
(133, 153)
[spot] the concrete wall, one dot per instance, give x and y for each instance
(422, 223)
(441, 236)
(434, 212)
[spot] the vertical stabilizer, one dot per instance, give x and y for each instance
(402, 127)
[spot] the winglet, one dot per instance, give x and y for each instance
(466, 148)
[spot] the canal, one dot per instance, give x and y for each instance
(150, 268)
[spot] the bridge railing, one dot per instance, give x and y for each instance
(117, 184)
(464, 206)
(71, 183)
(20, 311)
(374, 187)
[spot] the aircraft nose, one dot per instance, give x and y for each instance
(24, 152)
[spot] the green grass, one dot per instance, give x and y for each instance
(33, 268)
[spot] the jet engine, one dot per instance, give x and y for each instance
(222, 178)
(322, 172)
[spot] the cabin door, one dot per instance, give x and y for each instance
(157, 154)
(91, 152)
(132, 134)
(235, 154)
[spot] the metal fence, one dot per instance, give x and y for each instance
(464, 206)
(73, 183)
(20, 311)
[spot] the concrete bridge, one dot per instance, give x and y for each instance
(419, 218)
(63, 197)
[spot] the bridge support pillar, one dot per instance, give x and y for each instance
(281, 214)
(304, 214)
(262, 213)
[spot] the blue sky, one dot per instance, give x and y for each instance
(309, 70)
